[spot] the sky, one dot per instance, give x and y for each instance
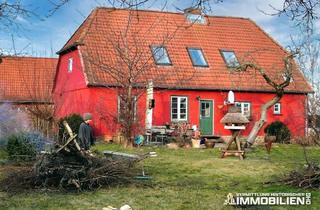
(43, 36)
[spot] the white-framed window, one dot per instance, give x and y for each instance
(179, 108)
(277, 108)
(70, 65)
(245, 108)
(122, 107)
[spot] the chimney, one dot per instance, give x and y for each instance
(193, 10)
(194, 15)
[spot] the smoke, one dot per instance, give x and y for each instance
(12, 121)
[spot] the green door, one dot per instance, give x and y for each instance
(206, 117)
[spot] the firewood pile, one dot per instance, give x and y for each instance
(69, 168)
(308, 178)
(69, 171)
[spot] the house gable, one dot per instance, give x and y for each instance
(240, 35)
(67, 80)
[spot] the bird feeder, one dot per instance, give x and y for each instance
(234, 121)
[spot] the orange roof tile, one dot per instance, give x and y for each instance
(26, 79)
(104, 29)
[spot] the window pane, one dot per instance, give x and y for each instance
(245, 108)
(70, 64)
(122, 107)
(205, 109)
(174, 99)
(160, 55)
(174, 103)
(230, 58)
(197, 57)
(179, 108)
(277, 108)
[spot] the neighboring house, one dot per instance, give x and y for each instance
(26, 83)
(196, 55)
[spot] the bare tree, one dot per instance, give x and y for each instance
(131, 65)
(41, 110)
(279, 88)
(308, 59)
(302, 12)
(12, 11)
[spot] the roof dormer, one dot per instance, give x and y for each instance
(195, 16)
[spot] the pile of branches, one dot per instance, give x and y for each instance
(70, 168)
(69, 171)
(308, 178)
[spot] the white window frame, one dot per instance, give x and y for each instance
(70, 65)
(277, 108)
(242, 107)
(178, 108)
(134, 108)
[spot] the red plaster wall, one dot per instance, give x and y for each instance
(292, 109)
(71, 95)
(74, 80)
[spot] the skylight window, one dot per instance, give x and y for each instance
(230, 58)
(196, 18)
(160, 55)
(197, 57)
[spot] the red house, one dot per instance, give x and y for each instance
(188, 57)
(27, 80)
(26, 83)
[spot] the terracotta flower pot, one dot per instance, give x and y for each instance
(209, 143)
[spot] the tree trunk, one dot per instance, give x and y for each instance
(129, 118)
(263, 118)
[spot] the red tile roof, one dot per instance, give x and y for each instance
(26, 79)
(97, 36)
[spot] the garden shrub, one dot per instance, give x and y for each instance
(74, 121)
(280, 131)
(19, 148)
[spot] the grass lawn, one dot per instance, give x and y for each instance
(182, 179)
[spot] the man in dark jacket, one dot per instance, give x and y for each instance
(86, 138)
